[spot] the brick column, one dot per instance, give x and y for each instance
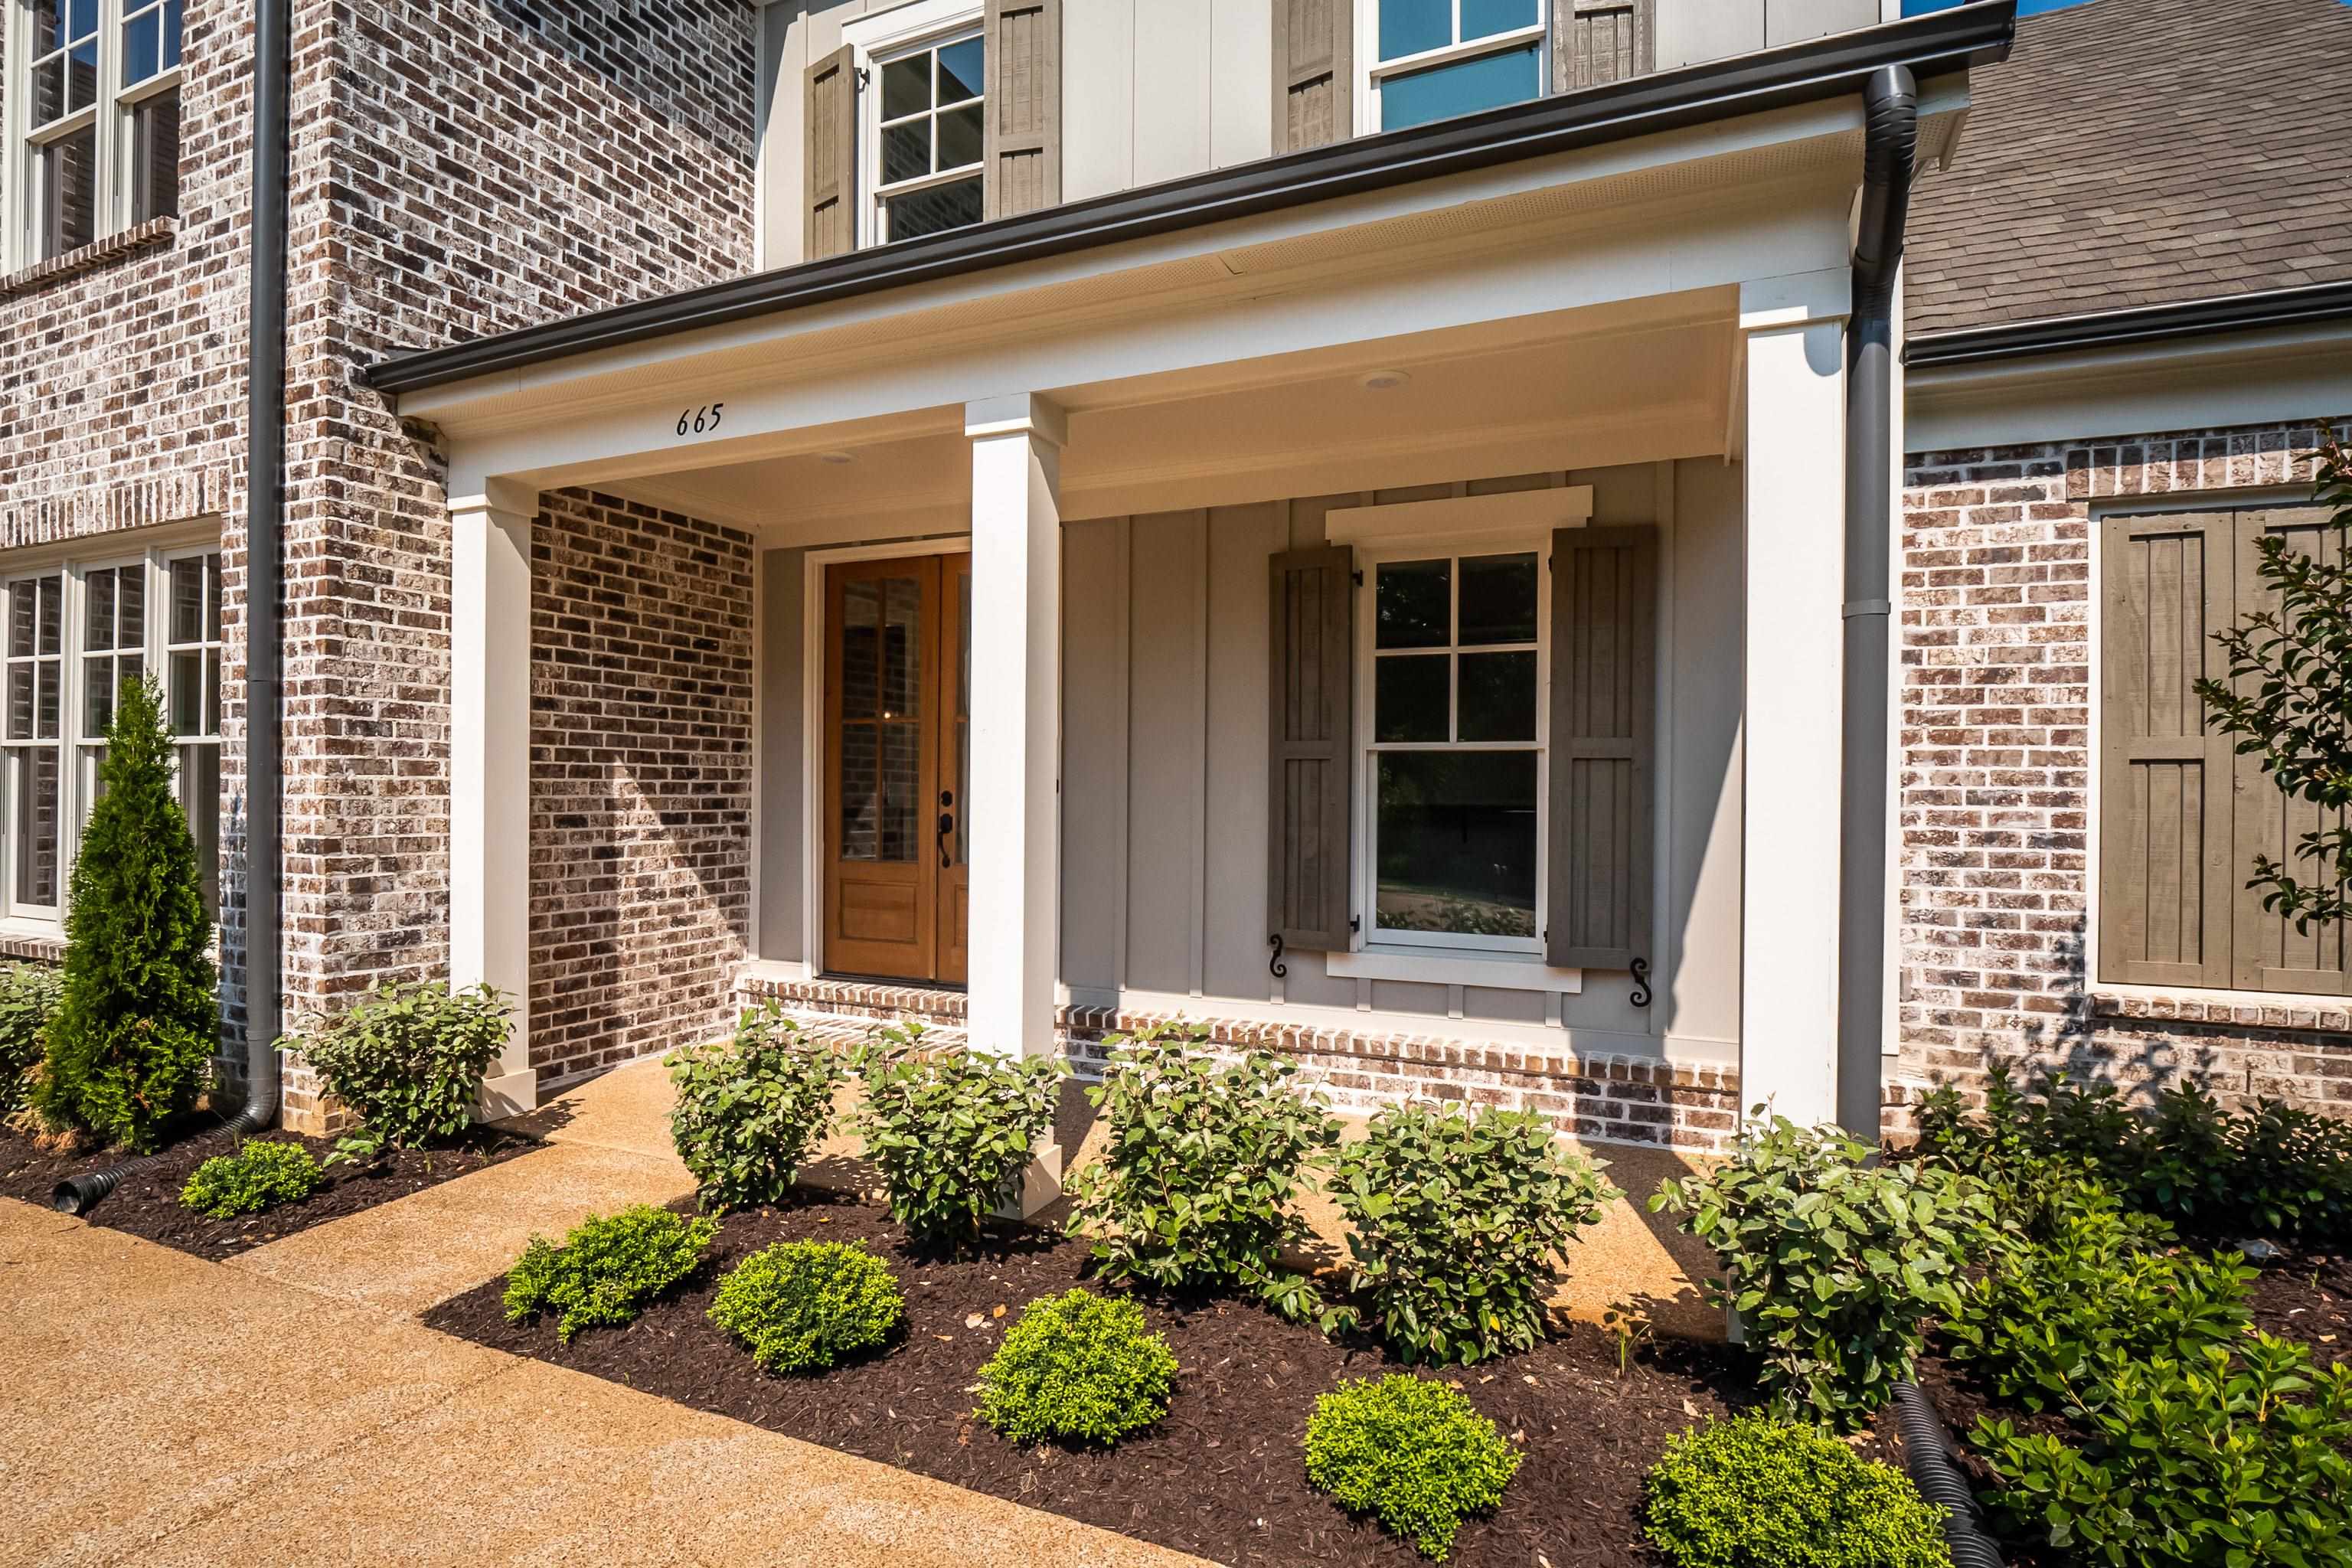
(490, 770)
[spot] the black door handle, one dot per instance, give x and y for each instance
(947, 825)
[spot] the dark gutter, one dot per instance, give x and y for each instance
(2143, 323)
(1818, 69)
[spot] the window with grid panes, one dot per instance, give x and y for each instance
(96, 146)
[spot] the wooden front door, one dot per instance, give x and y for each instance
(897, 705)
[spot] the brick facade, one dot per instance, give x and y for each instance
(1996, 808)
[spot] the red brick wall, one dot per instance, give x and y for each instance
(1996, 773)
(641, 780)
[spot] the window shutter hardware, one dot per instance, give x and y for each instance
(1640, 968)
(1275, 966)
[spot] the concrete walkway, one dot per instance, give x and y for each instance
(164, 1411)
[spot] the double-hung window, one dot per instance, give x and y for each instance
(1453, 753)
(927, 129)
(1432, 59)
(74, 633)
(93, 105)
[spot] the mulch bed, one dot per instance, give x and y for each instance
(147, 1203)
(1223, 1475)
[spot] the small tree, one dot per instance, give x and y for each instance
(2286, 701)
(128, 1047)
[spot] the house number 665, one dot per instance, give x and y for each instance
(698, 420)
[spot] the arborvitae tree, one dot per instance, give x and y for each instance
(130, 1042)
(2287, 702)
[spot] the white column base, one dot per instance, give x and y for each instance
(507, 1094)
(1041, 1185)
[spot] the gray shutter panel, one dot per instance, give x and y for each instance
(2268, 954)
(2167, 865)
(1598, 41)
(829, 98)
(1023, 156)
(1605, 589)
(1314, 73)
(1312, 751)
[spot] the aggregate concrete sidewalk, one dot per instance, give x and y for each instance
(164, 1410)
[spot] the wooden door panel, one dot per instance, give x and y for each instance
(881, 663)
(954, 767)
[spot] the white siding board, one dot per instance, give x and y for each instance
(1164, 779)
(1793, 21)
(1097, 98)
(1171, 72)
(1240, 82)
(1241, 540)
(1094, 753)
(1690, 34)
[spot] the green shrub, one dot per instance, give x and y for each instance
(1756, 1492)
(951, 1129)
(2047, 1319)
(750, 1110)
(1077, 1368)
(262, 1175)
(2214, 1459)
(408, 1060)
(802, 1306)
(608, 1270)
(1836, 1264)
(28, 995)
(1412, 1453)
(131, 1043)
(1458, 1224)
(1197, 1177)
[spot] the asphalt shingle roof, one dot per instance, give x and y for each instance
(2143, 153)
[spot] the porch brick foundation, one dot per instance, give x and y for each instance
(1995, 787)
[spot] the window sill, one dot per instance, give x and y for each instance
(32, 941)
(2238, 1009)
(155, 231)
(1424, 966)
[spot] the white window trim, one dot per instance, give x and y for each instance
(1371, 69)
(1420, 953)
(879, 39)
(111, 111)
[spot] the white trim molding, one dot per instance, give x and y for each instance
(1462, 522)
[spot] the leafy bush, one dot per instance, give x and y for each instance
(1414, 1454)
(1458, 1226)
(135, 1031)
(1753, 1491)
(802, 1306)
(2047, 1319)
(750, 1109)
(2215, 1459)
(952, 1131)
(1835, 1263)
(1196, 1180)
(1077, 1368)
(608, 1270)
(262, 1175)
(408, 1060)
(28, 995)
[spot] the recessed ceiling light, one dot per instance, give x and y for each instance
(1384, 380)
(836, 458)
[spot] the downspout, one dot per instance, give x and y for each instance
(265, 662)
(1890, 148)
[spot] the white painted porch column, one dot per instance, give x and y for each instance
(1794, 454)
(1016, 738)
(490, 770)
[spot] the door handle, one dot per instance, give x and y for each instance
(947, 825)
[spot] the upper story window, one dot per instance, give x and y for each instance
(96, 145)
(1432, 59)
(925, 105)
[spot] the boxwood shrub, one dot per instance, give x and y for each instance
(608, 1268)
(1414, 1454)
(804, 1306)
(408, 1060)
(750, 1109)
(1459, 1222)
(951, 1129)
(1077, 1368)
(1755, 1492)
(1836, 1264)
(1200, 1169)
(262, 1175)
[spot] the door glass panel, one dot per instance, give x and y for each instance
(902, 647)
(902, 782)
(861, 623)
(861, 793)
(1457, 843)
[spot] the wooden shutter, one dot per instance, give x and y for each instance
(2267, 952)
(1023, 143)
(829, 98)
(1312, 749)
(1598, 41)
(2168, 873)
(1604, 588)
(1314, 73)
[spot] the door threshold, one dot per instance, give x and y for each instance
(898, 981)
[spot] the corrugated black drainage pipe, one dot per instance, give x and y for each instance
(264, 512)
(1890, 155)
(1927, 1455)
